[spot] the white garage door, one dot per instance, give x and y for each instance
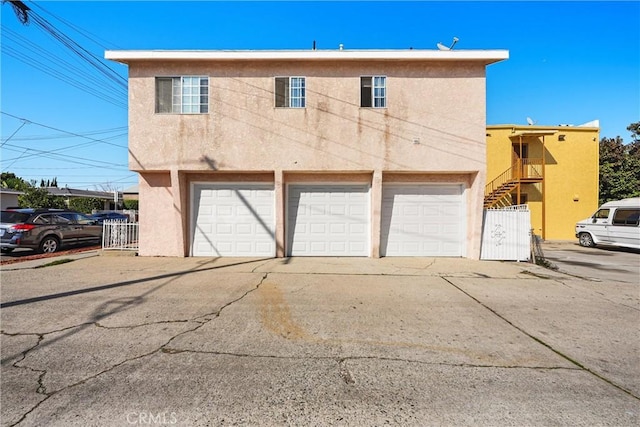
(423, 220)
(328, 220)
(233, 220)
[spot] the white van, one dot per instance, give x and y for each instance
(614, 223)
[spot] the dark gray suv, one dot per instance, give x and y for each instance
(46, 230)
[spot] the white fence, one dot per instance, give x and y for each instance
(120, 235)
(506, 234)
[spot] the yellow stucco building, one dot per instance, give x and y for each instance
(560, 187)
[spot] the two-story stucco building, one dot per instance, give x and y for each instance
(309, 153)
(552, 169)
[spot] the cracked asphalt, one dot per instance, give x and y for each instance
(117, 341)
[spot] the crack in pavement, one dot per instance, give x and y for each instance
(42, 388)
(543, 343)
(343, 370)
(343, 359)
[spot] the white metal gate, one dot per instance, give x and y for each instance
(506, 234)
(120, 235)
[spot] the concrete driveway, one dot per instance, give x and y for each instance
(306, 341)
(602, 263)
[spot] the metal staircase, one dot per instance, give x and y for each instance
(496, 196)
(523, 171)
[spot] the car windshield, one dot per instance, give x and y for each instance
(11, 217)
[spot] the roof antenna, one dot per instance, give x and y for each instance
(314, 45)
(443, 47)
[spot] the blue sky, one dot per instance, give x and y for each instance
(570, 63)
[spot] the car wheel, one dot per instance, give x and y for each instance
(586, 240)
(49, 245)
(6, 250)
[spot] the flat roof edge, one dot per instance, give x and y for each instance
(486, 56)
(557, 128)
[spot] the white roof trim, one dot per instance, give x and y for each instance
(486, 56)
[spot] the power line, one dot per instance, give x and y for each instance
(68, 168)
(35, 63)
(94, 62)
(60, 136)
(67, 132)
(52, 154)
(64, 78)
(75, 175)
(40, 52)
(80, 30)
(65, 158)
(24, 122)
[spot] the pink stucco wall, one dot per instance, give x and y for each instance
(432, 130)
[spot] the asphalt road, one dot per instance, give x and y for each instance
(602, 263)
(116, 341)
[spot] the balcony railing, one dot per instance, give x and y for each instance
(523, 169)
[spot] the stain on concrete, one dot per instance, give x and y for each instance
(275, 313)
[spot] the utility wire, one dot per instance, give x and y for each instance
(24, 122)
(40, 52)
(52, 154)
(62, 135)
(92, 59)
(80, 30)
(66, 131)
(34, 55)
(16, 159)
(96, 63)
(65, 158)
(58, 150)
(58, 75)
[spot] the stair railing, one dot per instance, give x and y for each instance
(510, 174)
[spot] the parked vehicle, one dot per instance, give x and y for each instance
(46, 230)
(100, 217)
(614, 223)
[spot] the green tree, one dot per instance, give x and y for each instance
(634, 128)
(34, 197)
(10, 180)
(85, 204)
(620, 166)
(49, 183)
(131, 204)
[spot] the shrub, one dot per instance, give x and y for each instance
(86, 204)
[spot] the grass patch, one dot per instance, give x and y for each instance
(56, 262)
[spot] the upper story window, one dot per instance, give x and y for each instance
(182, 95)
(290, 92)
(373, 91)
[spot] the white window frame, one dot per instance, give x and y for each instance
(295, 95)
(378, 95)
(189, 95)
